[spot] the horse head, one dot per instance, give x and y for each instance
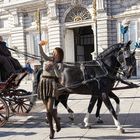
(127, 59)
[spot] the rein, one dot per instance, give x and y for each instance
(79, 63)
(26, 54)
(77, 84)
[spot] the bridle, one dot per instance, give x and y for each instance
(124, 57)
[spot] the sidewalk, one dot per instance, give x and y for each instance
(33, 126)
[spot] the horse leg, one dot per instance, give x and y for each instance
(117, 100)
(112, 111)
(57, 101)
(63, 100)
(90, 108)
(98, 117)
(99, 104)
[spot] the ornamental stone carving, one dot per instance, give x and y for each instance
(78, 14)
(52, 11)
(76, 2)
(15, 15)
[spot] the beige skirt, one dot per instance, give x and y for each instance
(47, 88)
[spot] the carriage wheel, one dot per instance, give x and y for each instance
(4, 112)
(20, 104)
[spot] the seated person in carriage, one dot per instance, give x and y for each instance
(8, 64)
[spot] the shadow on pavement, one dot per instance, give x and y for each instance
(37, 120)
(12, 133)
(100, 137)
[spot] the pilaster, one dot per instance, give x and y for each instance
(54, 31)
(17, 33)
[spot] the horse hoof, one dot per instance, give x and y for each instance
(99, 121)
(58, 129)
(46, 120)
(71, 118)
(121, 130)
(88, 127)
(70, 111)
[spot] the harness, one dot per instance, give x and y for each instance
(83, 67)
(99, 63)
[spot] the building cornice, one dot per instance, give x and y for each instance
(124, 15)
(25, 4)
(78, 24)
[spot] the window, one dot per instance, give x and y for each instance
(4, 23)
(1, 23)
(33, 39)
(131, 33)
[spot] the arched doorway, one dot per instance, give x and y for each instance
(83, 43)
(79, 40)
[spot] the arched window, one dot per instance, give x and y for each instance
(78, 14)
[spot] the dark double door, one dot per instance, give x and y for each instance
(83, 43)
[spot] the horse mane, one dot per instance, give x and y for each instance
(109, 50)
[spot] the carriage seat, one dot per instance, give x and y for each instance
(8, 82)
(13, 81)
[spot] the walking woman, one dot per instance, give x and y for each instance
(48, 86)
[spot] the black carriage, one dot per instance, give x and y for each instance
(12, 99)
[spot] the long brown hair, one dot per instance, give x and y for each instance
(60, 54)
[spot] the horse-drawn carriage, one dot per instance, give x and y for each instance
(12, 99)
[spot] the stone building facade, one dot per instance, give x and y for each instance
(73, 25)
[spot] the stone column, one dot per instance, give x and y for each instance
(100, 5)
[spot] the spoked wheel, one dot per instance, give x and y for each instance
(4, 112)
(20, 103)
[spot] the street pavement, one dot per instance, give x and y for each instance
(34, 127)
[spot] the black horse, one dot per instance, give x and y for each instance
(127, 61)
(111, 73)
(82, 78)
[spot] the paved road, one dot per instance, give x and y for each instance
(33, 125)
